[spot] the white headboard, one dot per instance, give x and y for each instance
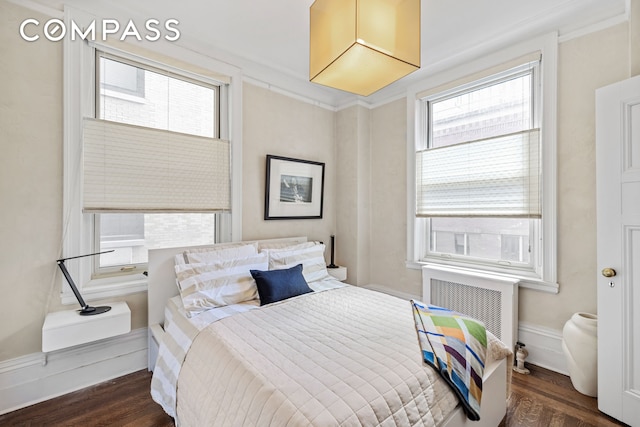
(162, 277)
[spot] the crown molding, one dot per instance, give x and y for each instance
(300, 97)
(598, 26)
(39, 7)
(590, 16)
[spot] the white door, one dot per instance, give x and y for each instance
(618, 210)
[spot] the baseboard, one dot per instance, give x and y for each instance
(38, 377)
(544, 346)
(391, 291)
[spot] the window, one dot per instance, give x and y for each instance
(512, 247)
(461, 240)
(167, 102)
(118, 100)
(116, 77)
(478, 196)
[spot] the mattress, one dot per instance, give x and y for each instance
(180, 330)
(347, 356)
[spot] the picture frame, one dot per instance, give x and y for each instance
(294, 188)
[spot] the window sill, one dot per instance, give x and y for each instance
(523, 281)
(106, 288)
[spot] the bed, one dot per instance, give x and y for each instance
(340, 355)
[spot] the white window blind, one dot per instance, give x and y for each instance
(138, 169)
(493, 177)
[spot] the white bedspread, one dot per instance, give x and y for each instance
(345, 357)
(179, 334)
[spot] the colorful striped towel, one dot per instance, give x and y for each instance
(456, 346)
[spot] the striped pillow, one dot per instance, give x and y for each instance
(224, 282)
(218, 253)
(289, 245)
(314, 267)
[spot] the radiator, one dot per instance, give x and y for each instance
(490, 298)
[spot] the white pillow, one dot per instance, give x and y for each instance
(218, 253)
(286, 244)
(224, 282)
(314, 267)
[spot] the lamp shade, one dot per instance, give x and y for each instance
(361, 46)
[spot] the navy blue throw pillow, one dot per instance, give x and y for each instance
(277, 285)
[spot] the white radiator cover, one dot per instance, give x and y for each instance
(493, 299)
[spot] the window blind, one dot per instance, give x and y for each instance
(138, 169)
(493, 177)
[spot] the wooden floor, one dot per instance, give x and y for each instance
(543, 398)
(124, 401)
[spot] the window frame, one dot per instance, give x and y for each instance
(545, 279)
(128, 269)
(426, 140)
(79, 85)
(143, 65)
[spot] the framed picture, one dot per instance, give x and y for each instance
(294, 188)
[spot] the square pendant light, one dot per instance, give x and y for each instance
(361, 46)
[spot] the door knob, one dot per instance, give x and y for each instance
(608, 272)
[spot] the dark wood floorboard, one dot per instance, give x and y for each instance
(542, 399)
(124, 401)
(546, 398)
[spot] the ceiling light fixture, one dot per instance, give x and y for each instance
(361, 46)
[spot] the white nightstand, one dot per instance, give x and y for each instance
(67, 328)
(339, 273)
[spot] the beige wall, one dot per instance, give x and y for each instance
(389, 199)
(30, 181)
(31, 132)
(276, 124)
(31, 186)
(634, 36)
(353, 182)
(365, 188)
(585, 63)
